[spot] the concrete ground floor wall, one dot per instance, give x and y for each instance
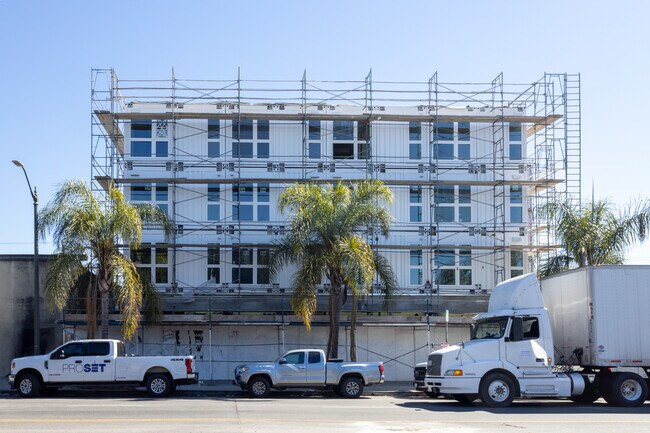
(220, 347)
(17, 309)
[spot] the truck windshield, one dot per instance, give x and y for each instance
(492, 328)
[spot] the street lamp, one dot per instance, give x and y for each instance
(37, 292)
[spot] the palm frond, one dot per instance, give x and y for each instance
(128, 290)
(63, 271)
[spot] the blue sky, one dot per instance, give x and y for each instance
(49, 47)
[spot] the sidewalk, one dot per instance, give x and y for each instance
(227, 388)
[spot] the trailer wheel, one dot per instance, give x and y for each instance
(497, 390)
(159, 385)
(28, 385)
(351, 387)
(626, 389)
(259, 387)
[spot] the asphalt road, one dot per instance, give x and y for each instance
(127, 412)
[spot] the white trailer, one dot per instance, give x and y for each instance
(574, 336)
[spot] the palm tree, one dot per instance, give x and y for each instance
(323, 240)
(87, 234)
(594, 234)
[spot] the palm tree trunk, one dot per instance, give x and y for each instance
(353, 329)
(91, 308)
(336, 301)
(103, 290)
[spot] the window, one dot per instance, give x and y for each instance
(262, 129)
(71, 350)
(314, 130)
(162, 150)
(363, 131)
(141, 149)
(445, 268)
(263, 274)
(531, 328)
(443, 131)
(162, 196)
(314, 151)
(214, 150)
(364, 151)
(415, 131)
(415, 140)
(449, 145)
(516, 263)
(415, 200)
(453, 267)
(242, 150)
(242, 271)
(516, 201)
(515, 145)
(451, 201)
(445, 211)
(214, 129)
(141, 129)
(343, 130)
(415, 265)
(295, 358)
(415, 150)
(214, 212)
(343, 150)
(156, 270)
(314, 357)
(262, 150)
(98, 348)
(257, 197)
(242, 130)
(141, 193)
(214, 265)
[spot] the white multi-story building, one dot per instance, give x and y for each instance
(469, 166)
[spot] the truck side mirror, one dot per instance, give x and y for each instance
(517, 329)
(282, 361)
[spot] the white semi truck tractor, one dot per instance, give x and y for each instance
(581, 334)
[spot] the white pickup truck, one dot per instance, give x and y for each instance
(307, 368)
(100, 362)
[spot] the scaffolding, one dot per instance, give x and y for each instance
(548, 111)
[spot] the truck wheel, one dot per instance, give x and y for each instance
(351, 387)
(259, 387)
(465, 398)
(626, 389)
(497, 390)
(159, 385)
(28, 386)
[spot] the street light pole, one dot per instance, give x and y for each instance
(37, 291)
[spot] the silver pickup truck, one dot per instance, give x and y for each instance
(308, 368)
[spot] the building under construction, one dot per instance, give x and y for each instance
(470, 165)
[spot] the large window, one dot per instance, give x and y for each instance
(157, 194)
(343, 130)
(453, 204)
(453, 267)
(251, 202)
(214, 129)
(451, 141)
(250, 266)
(258, 132)
(152, 263)
(141, 149)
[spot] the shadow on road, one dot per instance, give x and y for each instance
(525, 407)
